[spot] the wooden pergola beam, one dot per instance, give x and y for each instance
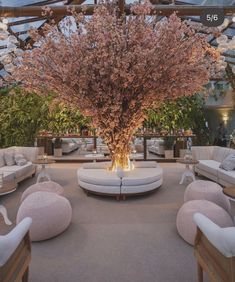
(163, 10)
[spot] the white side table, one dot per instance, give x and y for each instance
(187, 172)
(3, 212)
(43, 174)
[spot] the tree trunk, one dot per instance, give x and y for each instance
(119, 148)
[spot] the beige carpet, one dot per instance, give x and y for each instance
(109, 241)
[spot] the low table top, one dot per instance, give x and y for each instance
(47, 161)
(185, 161)
(230, 192)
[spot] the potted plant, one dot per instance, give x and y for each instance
(168, 147)
(58, 147)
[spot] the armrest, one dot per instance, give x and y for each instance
(223, 239)
(10, 242)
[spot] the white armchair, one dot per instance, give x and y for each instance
(15, 253)
(214, 250)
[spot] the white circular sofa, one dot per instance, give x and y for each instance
(96, 178)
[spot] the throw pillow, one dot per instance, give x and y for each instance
(9, 158)
(20, 160)
(2, 161)
(228, 163)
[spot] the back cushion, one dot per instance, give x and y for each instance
(101, 165)
(9, 158)
(29, 153)
(150, 164)
(220, 153)
(2, 161)
(202, 152)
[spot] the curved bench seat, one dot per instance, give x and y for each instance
(102, 181)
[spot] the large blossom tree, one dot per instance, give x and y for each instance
(113, 68)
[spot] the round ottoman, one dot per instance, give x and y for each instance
(184, 220)
(48, 186)
(207, 190)
(51, 214)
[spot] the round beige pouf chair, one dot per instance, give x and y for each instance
(47, 186)
(51, 214)
(184, 220)
(207, 190)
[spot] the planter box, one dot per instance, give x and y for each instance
(169, 154)
(58, 152)
(41, 150)
(182, 153)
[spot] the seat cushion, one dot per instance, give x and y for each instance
(98, 176)
(142, 176)
(150, 164)
(209, 166)
(9, 158)
(8, 176)
(19, 170)
(105, 189)
(135, 189)
(227, 176)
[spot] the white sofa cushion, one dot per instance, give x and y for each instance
(228, 163)
(107, 189)
(227, 176)
(98, 176)
(9, 158)
(101, 165)
(220, 153)
(19, 171)
(210, 166)
(142, 176)
(135, 189)
(2, 160)
(202, 152)
(8, 176)
(30, 153)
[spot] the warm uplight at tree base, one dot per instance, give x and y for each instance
(114, 69)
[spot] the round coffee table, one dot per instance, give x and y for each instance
(230, 192)
(43, 174)
(188, 172)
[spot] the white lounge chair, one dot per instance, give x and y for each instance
(215, 250)
(15, 253)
